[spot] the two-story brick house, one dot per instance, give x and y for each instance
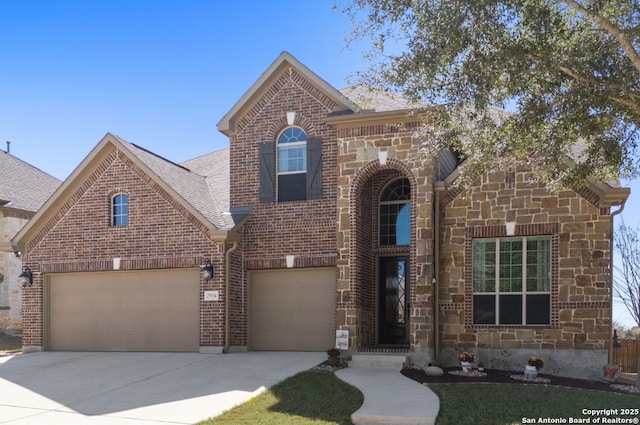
(320, 216)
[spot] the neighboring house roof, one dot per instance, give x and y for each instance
(23, 186)
(203, 192)
(368, 98)
(284, 61)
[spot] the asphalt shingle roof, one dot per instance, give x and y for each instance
(205, 188)
(378, 100)
(23, 186)
(214, 167)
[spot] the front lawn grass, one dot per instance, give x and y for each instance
(311, 397)
(320, 398)
(507, 404)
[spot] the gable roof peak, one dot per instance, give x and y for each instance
(227, 124)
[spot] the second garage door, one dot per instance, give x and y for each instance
(155, 310)
(292, 310)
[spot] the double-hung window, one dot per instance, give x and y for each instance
(512, 281)
(292, 165)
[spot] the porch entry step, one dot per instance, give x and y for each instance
(393, 361)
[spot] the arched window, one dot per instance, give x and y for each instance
(292, 164)
(395, 213)
(120, 210)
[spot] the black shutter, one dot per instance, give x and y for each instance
(267, 172)
(314, 168)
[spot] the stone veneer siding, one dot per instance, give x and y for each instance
(361, 178)
(161, 234)
(11, 221)
(580, 297)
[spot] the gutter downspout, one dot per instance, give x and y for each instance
(611, 291)
(227, 326)
(439, 187)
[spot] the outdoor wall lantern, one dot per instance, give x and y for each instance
(206, 271)
(26, 277)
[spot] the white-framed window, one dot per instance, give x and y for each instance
(292, 164)
(395, 213)
(120, 210)
(512, 281)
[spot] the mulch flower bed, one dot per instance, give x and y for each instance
(505, 377)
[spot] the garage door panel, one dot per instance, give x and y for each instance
(124, 311)
(295, 341)
(292, 309)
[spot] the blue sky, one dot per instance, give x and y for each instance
(158, 73)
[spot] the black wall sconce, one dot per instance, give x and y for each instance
(206, 271)
(26, 277)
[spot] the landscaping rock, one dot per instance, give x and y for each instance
(434, 371)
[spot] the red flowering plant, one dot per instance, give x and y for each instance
(467, 356)
(535, 361)
(333, 352)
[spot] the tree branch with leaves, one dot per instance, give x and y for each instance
(567, 71)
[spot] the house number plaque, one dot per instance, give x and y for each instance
(211, 295)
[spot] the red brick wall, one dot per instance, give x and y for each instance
(306, 229)
(161, 234)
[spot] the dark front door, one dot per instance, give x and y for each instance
(393, 306)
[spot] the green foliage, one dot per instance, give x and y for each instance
(568, 71)
(501, 404)
(311, 397)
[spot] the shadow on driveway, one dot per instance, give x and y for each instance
(172, 387)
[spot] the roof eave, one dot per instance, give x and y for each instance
(370, 116)
(21, 238)
(608, 195)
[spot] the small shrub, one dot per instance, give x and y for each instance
(4, 323)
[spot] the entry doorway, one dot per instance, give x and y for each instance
(393, 296)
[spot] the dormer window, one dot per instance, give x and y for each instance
(120, 210)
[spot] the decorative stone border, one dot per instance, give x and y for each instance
(629, 389)
(472, 374)
(538, 380)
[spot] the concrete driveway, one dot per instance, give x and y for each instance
(136, 388)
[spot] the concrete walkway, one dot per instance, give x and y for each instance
(391, 398)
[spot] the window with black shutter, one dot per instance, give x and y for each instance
(291, 168)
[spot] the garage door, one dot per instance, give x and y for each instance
(292, 310)
(124, 311)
